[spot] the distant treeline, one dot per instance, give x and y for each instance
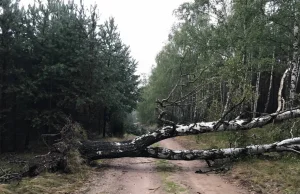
(223, 51)
(57, 61)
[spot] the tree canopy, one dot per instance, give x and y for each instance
(58, 60)
(221, 52)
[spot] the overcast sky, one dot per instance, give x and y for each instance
(144, 25)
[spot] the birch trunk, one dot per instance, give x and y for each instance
(270, 88)
(227, 101)
(280, 98)
(96, 150)
(57, 158)
(288, 145)
(256, 94)
(295, 64)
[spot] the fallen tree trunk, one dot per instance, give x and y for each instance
(57, 158)
(288, 145)
(92, 150)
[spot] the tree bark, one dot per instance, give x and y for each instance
(57, 158)
(256, 94)
(104, 121)
(92, 150)
(288, 145)
(280, 98)
(294, 63)
(117, 150)
(227, 101)
(270, 88)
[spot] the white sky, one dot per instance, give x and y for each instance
(144, 25)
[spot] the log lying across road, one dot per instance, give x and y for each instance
(57, 158)
(137, 147)
(288, 145)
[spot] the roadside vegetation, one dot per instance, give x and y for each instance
(224, 61)
(231, 60)
(59, 62)
(268, 173)
(47, 182)
(164, 169)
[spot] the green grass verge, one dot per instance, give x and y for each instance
(47, 183)
(276, 173)
(165, 169)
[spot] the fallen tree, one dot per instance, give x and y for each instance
(288, 145)
(71, 140)
(93, 150)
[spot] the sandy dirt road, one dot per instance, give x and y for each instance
(140, 176)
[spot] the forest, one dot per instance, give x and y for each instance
(59, 62)
(221, 53)
(229, 67)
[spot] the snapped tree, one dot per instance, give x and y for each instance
(216, 60)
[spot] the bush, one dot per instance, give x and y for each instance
(132, 128)
(117, 125)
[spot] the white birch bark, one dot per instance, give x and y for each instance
(134, 148)
(294, 63)
(288, 145)
(256, 94)
(280, 98)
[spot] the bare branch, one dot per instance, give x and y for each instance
(280, 98)
(221, 121)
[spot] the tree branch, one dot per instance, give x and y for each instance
(97, 150)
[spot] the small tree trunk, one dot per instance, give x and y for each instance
(99, 122)
(227, 101)
(256, 94)
(295, 65)
(14, 119)
(280, 98)
(104, 121)
(270, 88)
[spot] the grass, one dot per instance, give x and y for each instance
(155, 145)
(272, 173)
(165, 168)
(50, 183)
(47, 183)
(125, 137)
(279, 175)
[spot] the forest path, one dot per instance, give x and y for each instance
(151, 176)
